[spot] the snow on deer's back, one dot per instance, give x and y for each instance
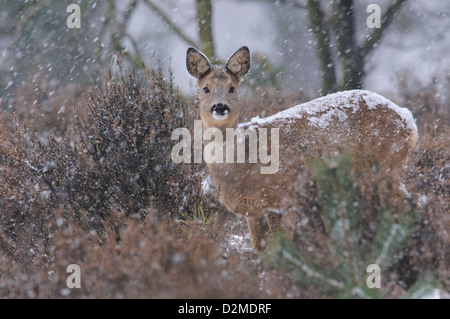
(344, 121)
(321, 110)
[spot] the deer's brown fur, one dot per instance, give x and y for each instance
(360, 122)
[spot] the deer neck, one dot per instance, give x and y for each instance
(220, 134)
(222, 129)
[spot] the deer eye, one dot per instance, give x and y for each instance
(206, 90)
(231, 90)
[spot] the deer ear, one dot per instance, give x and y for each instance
(239, 62)
(197, 63)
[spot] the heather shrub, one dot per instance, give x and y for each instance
(116, 159)
(24, 197)
(126, 141)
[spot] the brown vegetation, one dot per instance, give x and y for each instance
(107, 197)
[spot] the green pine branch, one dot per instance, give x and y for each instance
(346, 276)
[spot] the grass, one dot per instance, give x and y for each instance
(205, 219)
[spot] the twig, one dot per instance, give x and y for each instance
(376, 35)
(343, 217)
(23, 22)
(311, 272)
(170, 24)
(387, 244)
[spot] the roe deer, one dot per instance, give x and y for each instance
(357, 120)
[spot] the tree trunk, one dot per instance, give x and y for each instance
(349, 50)
(318, 27)
(204, 21)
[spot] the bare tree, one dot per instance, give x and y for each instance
(324, 53)
(352, 55)
(204, 26)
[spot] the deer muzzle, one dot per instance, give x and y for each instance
(220, 111)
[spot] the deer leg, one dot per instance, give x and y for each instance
(255, 227)
(273, 221)
(399, 197)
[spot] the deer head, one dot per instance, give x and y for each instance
(218, 86)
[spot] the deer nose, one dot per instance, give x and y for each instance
(220, 109)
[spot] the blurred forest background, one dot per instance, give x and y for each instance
(298, 46)
(85, 169)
